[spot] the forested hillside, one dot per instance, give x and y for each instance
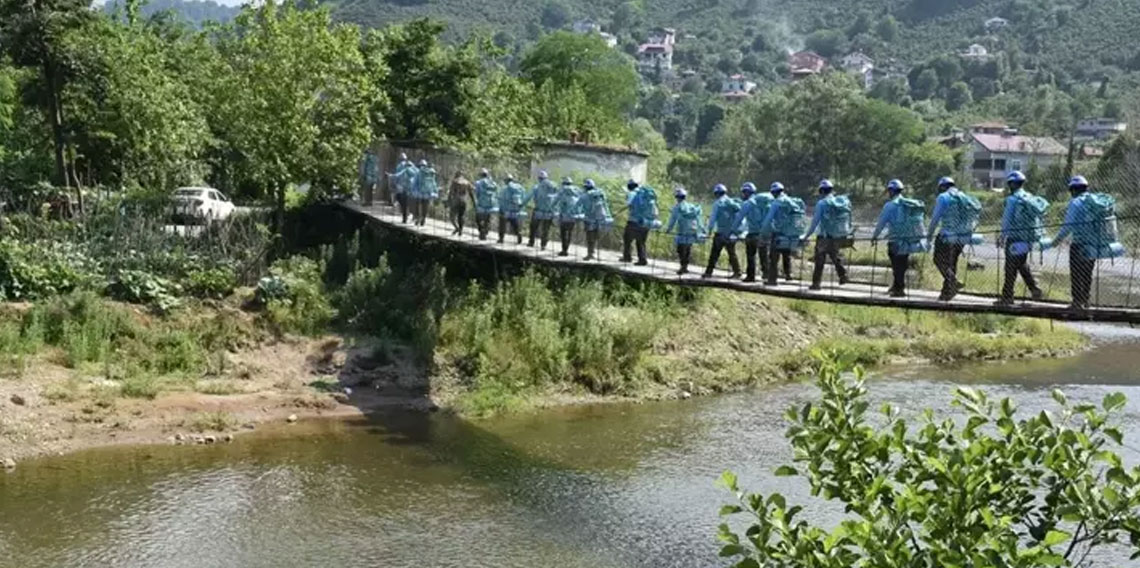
(1078, 37)
(193, 12)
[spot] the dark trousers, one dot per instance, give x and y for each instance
(458, 216)
(566, 235)
(779, 258)
(755, 249)
(420, 210)
(684, 255)
(540, 228)
(402, 201)
(635, 233)
(1081, 270)
(827, 248)
(483, 223)
(1014, 265)
(723, 242)
(899, 264)
(591, 242)
(513, 224)
(946, 255)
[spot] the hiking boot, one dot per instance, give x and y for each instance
(749, 280)
(500, 240)
(897, 294)
(946, 296)
(815, 288)
(1037, 295)
(563, 253)
(707, 275)
(641, 263)
(589, 257)
(735, 275)
(682, 272)
(844, 281)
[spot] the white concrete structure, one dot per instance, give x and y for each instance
(1100, 128)
(657, 53)
(861, 65)
(581, 161)
(976, 52)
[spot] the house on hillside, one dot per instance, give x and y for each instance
(976, 52)
(657, 53)
(805, 64)
(988, 128)
(590, 27)
(996, 24)
(990, 157)
(736, 88)
(1100, 128)
(862, 66)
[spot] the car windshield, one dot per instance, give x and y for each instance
(188, 193)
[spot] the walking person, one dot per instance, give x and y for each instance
(404, 179)
(486, 203)
(750, 220)
(511, 211)
(1021, 229)
(567, 208)
(424, 191)
(642, 203)
(832, 216)
(686, 219)
(1091, 221)
(783, 227)
(457, 195)
(904, 218)
(369, 178)
(596, 215)
(543, 194)
(723, 229)
(957, 214)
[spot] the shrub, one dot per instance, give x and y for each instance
(294, 299)
(138, 287)
(35, 270)
(214, 283)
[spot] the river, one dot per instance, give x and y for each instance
(607, 486)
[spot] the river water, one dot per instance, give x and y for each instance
(608, 486)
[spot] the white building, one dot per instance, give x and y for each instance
(861, 65)
(976, 52)
(1100, 128)
(736, 88)
(657, 53)
(589, 27)
(992, 156)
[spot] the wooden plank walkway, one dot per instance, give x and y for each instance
(665, 271)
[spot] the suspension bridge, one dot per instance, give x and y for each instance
(980, 270)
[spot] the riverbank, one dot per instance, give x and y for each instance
(87, 372)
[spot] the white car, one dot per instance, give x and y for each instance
(203, 204)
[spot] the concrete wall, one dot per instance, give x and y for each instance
(580, 162)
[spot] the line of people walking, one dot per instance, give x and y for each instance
(775, 228)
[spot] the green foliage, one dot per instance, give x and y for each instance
(139, 287)
(999, 489)
(30, 271)
(216, 283)
(293, 297)
(379, 302)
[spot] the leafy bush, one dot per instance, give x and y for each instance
(34, 270)
(138, 287)
(214, 283)
(294, 298)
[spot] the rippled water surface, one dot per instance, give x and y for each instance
(623, 485)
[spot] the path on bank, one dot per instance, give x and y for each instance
(665, 271)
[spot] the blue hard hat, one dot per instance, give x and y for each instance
(589, 184)
(1078, 181)
(946, 182)
(776, 187)
(423, 163)
(680, 193)
(720, 189)
(826, 184)
(748, 187)
(543, 175)
(895, 185)
(1015, 177)
(484, 172)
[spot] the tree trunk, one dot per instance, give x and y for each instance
(279, 214)
(55, 117)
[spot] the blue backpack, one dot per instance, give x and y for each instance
(1027, 225)
(1100, 227)
(788, 222)
(836, 221)
(962, 216)
(643, 208)
(910, 226)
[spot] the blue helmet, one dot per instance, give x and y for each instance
(826, 185)
(895, 186)
(423, 163)
(1078, 181)
(776, 187)
(484, 172)
(510, 177)
(632, 184)
(748, 188)
(543, 175)
(720, 189)
(589, 184)
(946, 182)
(680, 193)
(1016, 177)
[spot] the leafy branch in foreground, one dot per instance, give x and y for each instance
(994, 488)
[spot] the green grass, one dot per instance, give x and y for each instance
(212, 422)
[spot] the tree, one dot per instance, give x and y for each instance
(948, 69)
(574, 62)
(827, 43)
(888, 28)
(34, 33)
(861, 25)
(751, 63)
(995, 489)
(294, 98)
(958, 96)
(627, 16)
(892, 90)
(710, 117)
(926, 85)
(555, 15)
(919, 164)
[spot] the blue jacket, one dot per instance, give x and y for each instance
(821, 209)
(642, 207)
(543, 194)
(687, 234)
(511, 200)
(426, 186)
(770, 217)
(954, 235)
(752, 213)
(566, 204)
(889, 218)
(1010, 233)
(405, 176)
(1083, 233)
